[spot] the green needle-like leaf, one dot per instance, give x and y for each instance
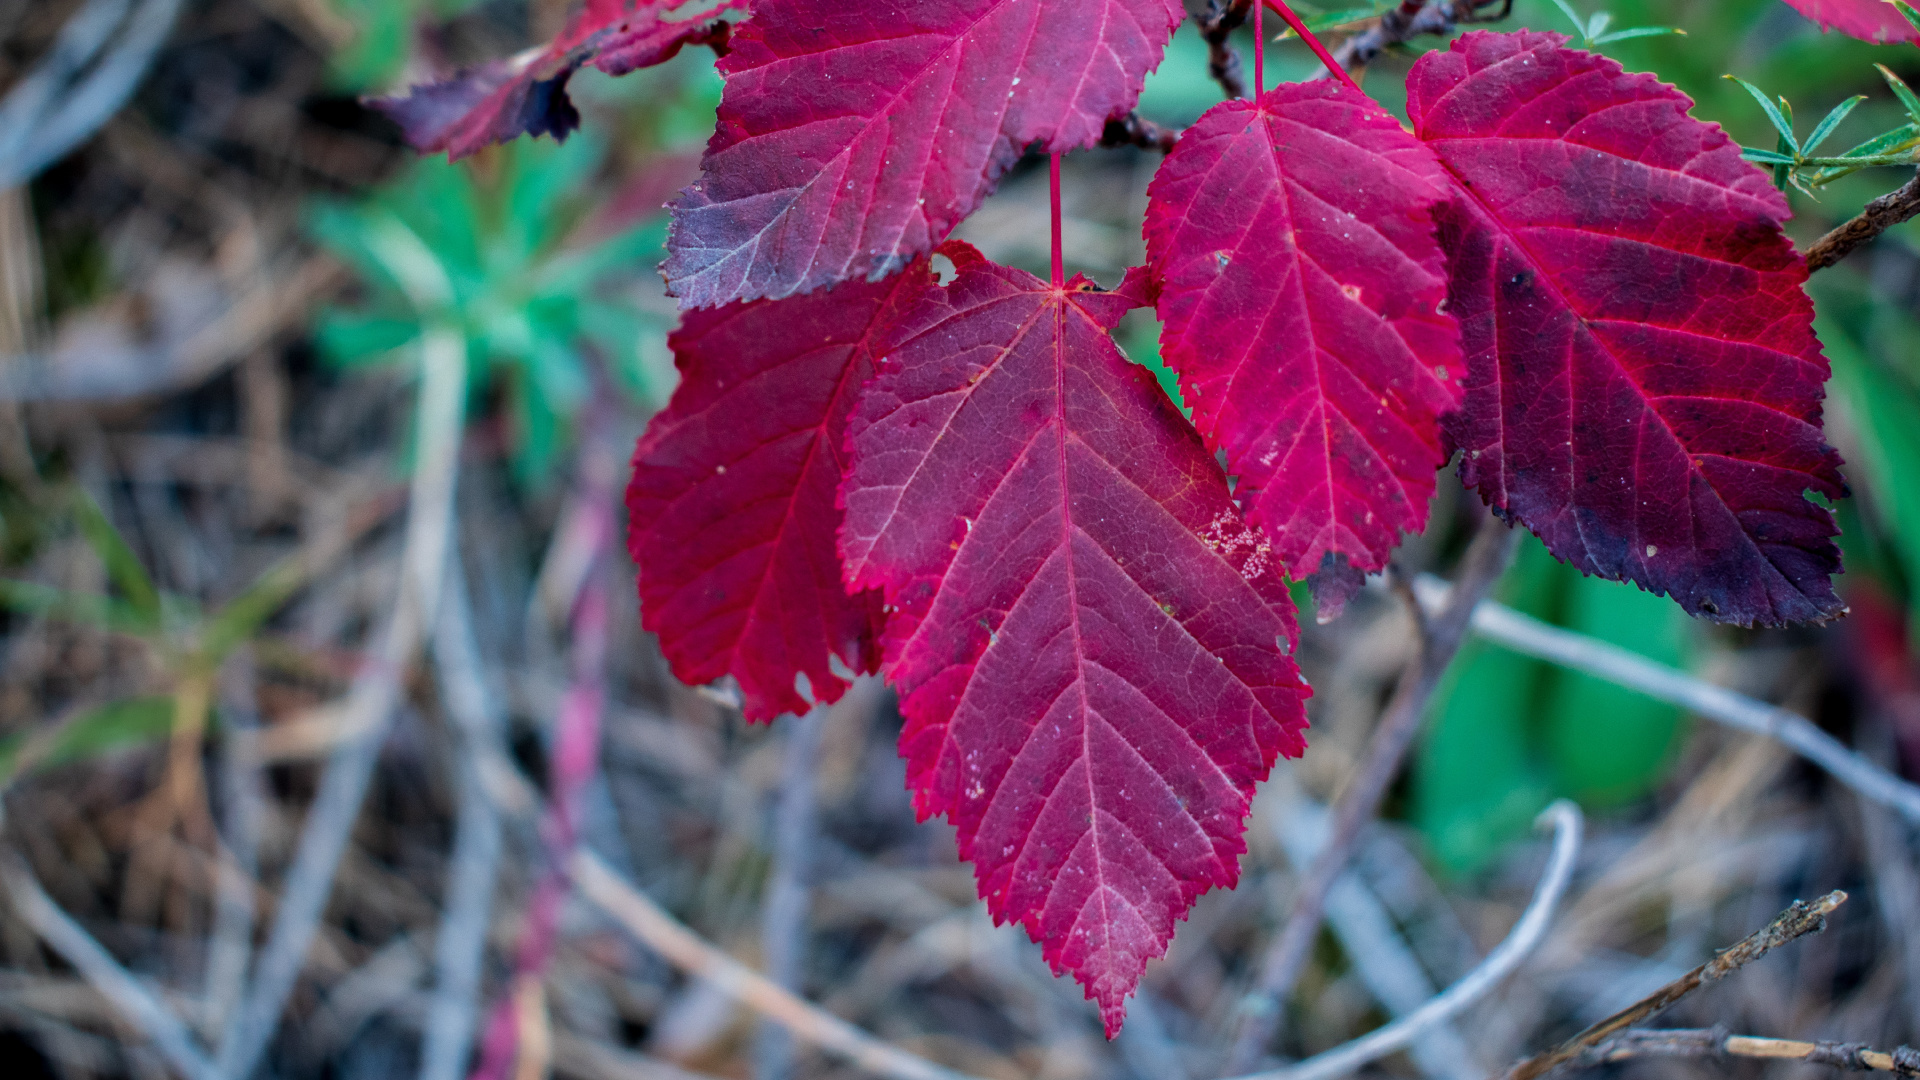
(1781, 121)
(1639, 32)
(1832, 121)
(1901, 90)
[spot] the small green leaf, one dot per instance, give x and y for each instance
(1597, 26)
(246, 613)
(1908, 99)
(101, 612)
(1333, 20)
(1639, 32)
(132, 722)
(1832, 121)
(350, 339)
(1781, 122)
(123, 566)
(1579, 24)
(1766, 157)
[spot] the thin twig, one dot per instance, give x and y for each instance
(1217, 25)
(244, 805)
(1715, 1042)
(783, 926)
(1531, 637)
(460, 945)
(1877, 217)
(1797, 921)
(376, 690)
(1367, 934)
(1136, 130)
(135, 1002)
(684, 949)
(1500, 963)
(1486, 559)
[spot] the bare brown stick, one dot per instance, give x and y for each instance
(1410, 20)
(1136, 130)
(1715, 1042)
(1877, 217)
(681, 947)
(1486, 559)
(1797, 921)
(1217, 25)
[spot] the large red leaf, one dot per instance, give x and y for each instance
(1643, 382)
(854, 137)
(1302, 294)
(733, 495)
(1092, 649)
(1878, 21)
(527, 95)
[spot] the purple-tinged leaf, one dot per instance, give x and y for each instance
(1092, 647)
(1643, 382)
(853, 137)
(527, 94)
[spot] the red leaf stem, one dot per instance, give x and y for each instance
(1306, 35)
(1053, 181)
(575, 761)
(1259, 52)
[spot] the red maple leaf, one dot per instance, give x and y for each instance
(854, 137)
(1302, 294)
(1878, 21)
(1643, 382)
(733, 496)
(1092, 648)
(527, 94)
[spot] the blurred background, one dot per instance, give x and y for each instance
(224, 381)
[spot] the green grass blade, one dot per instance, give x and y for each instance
(123, 566)
(88, 735)
(244, 614)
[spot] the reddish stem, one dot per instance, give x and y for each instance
(1319, 50)
(574, 763)
(1059, 265)
(1259, 53)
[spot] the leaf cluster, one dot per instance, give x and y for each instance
(530, 293)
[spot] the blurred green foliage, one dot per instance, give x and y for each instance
(1508, 734)
(382, 39)
(190, 642)
(529, 293)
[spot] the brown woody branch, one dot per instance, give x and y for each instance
(1879, 215)
(1412, 19)
(1217, 24)
(1715, 1042)
(1136, 130)
(1797, 921)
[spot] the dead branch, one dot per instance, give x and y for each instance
(1797, 921)
(1877, 217)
